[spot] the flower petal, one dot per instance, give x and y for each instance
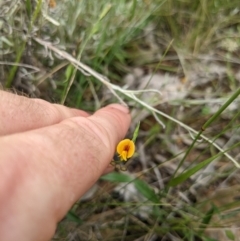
(125, 149)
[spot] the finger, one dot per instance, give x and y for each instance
(44, 171)
(19, 113)
(108, 169)
(108, 121)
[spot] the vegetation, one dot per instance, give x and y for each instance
(175, 63)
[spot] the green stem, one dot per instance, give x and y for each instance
(187, 153)
(15, 67)
(224, 106)
(21, 51)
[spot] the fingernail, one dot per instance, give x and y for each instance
(122, 108)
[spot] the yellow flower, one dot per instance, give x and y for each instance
(125, 149)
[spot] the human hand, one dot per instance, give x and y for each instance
(50, 156)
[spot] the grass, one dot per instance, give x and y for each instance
(175, 63)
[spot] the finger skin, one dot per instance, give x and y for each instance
(43, 172)
(19, 113)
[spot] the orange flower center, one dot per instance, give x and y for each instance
(126, 148)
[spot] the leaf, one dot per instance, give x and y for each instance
(68, 72)
(230, 234)
(207, 218)
(71, 216)
(105, 11)
(184, 176)
(117, 177)
(29, 8)
(146, 190)
(135, 134)
(140, 185)
(37, 11)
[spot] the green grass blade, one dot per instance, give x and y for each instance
(105, 11)
(140, 185)
(36, 12)
(135, 134)
(14, 68)
(29, 8)
(184, 176)
(208, 123)
(146, 190)
(133, 9)
(207, 218)
(95, 29)
(187, 153)
(117, 177)
(224, 106)
(230, 235)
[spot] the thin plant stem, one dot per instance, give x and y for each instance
(221, 109)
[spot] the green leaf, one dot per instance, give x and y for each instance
(230, 234)
(68, 72)
(221, 109)
(105, 11)
(135, 134)
(117, 177)
(184, 176)
(207, 218)
(29, 8)
(146, 190)
(71, 216)
(37, 11)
